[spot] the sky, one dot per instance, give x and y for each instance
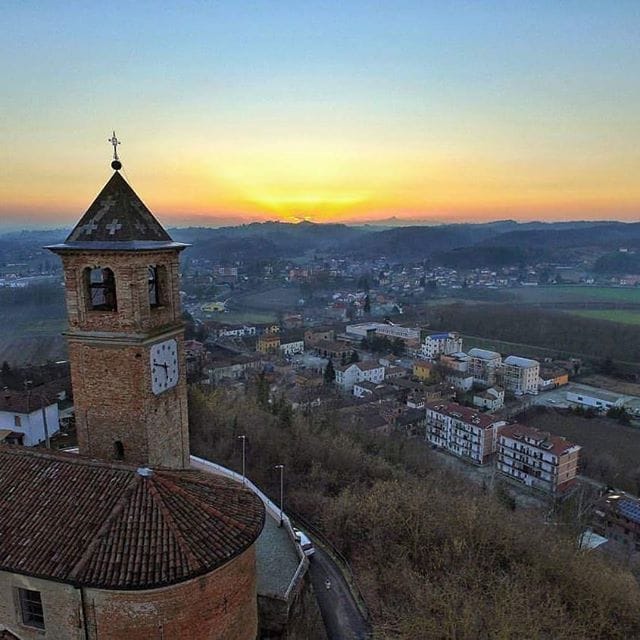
(354, 111)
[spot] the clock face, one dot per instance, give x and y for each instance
(164, 366)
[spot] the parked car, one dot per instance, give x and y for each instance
(303, 540)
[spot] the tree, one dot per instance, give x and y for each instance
(367, 304)
(343, 359)
(329, 373)
(263, 390)
(354, 357)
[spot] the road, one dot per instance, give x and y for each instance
(340, 613)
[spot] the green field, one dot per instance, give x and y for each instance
(578, 294)
(238, 317)
(613, 315)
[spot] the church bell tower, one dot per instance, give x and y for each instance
(125, 333)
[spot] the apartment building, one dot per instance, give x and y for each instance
(520, 375)
(463, 431)
(537, 458)
(438, 344)
(483, 365)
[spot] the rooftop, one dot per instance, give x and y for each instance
(541, 439)
(26, 401)
(466, 414)
(483, 354)
(75, 520)
(521, 362)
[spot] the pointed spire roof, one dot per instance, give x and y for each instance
(119, 220)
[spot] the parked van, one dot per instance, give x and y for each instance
(303, 540)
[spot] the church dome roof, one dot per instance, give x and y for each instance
(112, 526)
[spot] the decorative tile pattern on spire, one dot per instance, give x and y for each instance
(118, 215)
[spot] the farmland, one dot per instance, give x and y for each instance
(623, 316)
(577, 294)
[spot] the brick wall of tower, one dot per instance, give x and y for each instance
(221, 605)
(114, 402)
(110, 362)
(130, 271)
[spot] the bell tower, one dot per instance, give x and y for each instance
(125, 332)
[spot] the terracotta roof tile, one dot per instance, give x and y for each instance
(68, 518)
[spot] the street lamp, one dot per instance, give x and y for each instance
(244, 442)
(281, 467)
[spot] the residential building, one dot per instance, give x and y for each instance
(318, 334)
(333, 349)
(348, 375)
(32, 413)
(537, 458)
(483, 365)
(520, 375)
(463, 431)
(458, 361)
(292, 348)
(552, 377)
(423, 369)
(234, 367)
(438, 344)
(459, 380)
(268, 343)
(491, 399)
(617, 516)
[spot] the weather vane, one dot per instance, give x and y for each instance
(115, 164)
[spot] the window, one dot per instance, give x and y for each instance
(31, 608)
(154, 289)
(118, 450)
(156, 279)
(17, 421)
(101, 284)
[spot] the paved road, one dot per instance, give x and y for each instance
(340, 613)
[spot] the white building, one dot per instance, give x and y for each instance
(292, 348)
(391, 331)
(348, 375)
(30, 413)
(483, 365)
(520, 375)
(595, 398)
(438, 344)
(463, 431)
(492, 399)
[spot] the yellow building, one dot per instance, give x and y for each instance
(423, 370)
(268, 343)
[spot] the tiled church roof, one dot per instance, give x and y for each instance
(104, 525)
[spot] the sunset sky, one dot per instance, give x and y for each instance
(338, 110)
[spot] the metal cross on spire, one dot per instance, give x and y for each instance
(115, 142)
(115, 163)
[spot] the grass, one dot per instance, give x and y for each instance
(575, 293)
(246, 316)
(613, 315)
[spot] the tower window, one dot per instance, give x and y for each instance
(156, 280)
(31, 608)
(118, 450)
(102, 289)
(154, 287)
